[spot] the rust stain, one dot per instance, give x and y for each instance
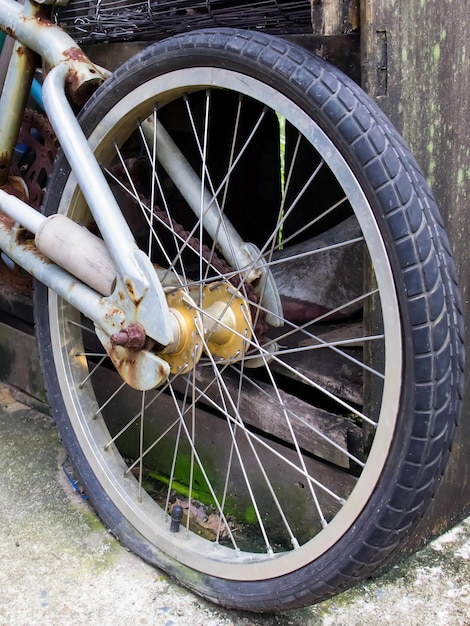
(43, 21)
(29, 246)
(130, 290)
(76, 54)
(112, 313)
(6, 221)
(21, 51)
(83, 78)
(14, 186)
(126, 365)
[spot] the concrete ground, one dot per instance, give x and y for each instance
(59, 566)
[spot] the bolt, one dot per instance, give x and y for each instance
(133, 337)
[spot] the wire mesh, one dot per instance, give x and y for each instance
(89, 21)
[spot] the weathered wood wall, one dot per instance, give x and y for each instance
(415, 64)
(335, 17)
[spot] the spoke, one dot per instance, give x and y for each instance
(278, 239)
(232, 150)
(204, 175)
(223, 187)
(288, 178)
(321, 343)
(287, 212)
(152, 156)
(326, 315)
(254, 437)
(284, 214)
(201, 467)
(315, 220)
(149, 214)
(327, 393)
(238, 419)
(140, 457)
(146, 211)
(153, 161)
(294, 440)
(111, 397)
(136, 417)
(232, 448)
(308, 253)
(332, 345)
(327, 344)
(226, 186)
(173, 466)
(193, 439)
(90, 374)
(135, 193)
(241, 152)
(301, 420)
(81, 326)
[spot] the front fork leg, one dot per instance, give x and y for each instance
(144, 301)
(138, 291)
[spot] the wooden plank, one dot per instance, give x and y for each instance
(327, 369)
(311, 425)
(19, 365)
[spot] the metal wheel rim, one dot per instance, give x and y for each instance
(91, 434)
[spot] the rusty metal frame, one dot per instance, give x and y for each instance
(73, 74)
(138, 297)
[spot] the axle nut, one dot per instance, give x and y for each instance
(133, 337)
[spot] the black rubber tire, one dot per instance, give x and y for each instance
(426, 286)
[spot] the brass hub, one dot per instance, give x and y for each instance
(223, 319)
(226, 320)
(185, 351)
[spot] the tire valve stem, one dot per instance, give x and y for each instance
(176, 516)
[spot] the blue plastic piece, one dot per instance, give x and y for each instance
(36, 93)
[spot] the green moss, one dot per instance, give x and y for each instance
(197, 493)
(93, 522)
(250, 515)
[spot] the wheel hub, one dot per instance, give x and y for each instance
(220, 326)
(226, 320)
(186, 349)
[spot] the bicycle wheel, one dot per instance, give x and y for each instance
(304, 425)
